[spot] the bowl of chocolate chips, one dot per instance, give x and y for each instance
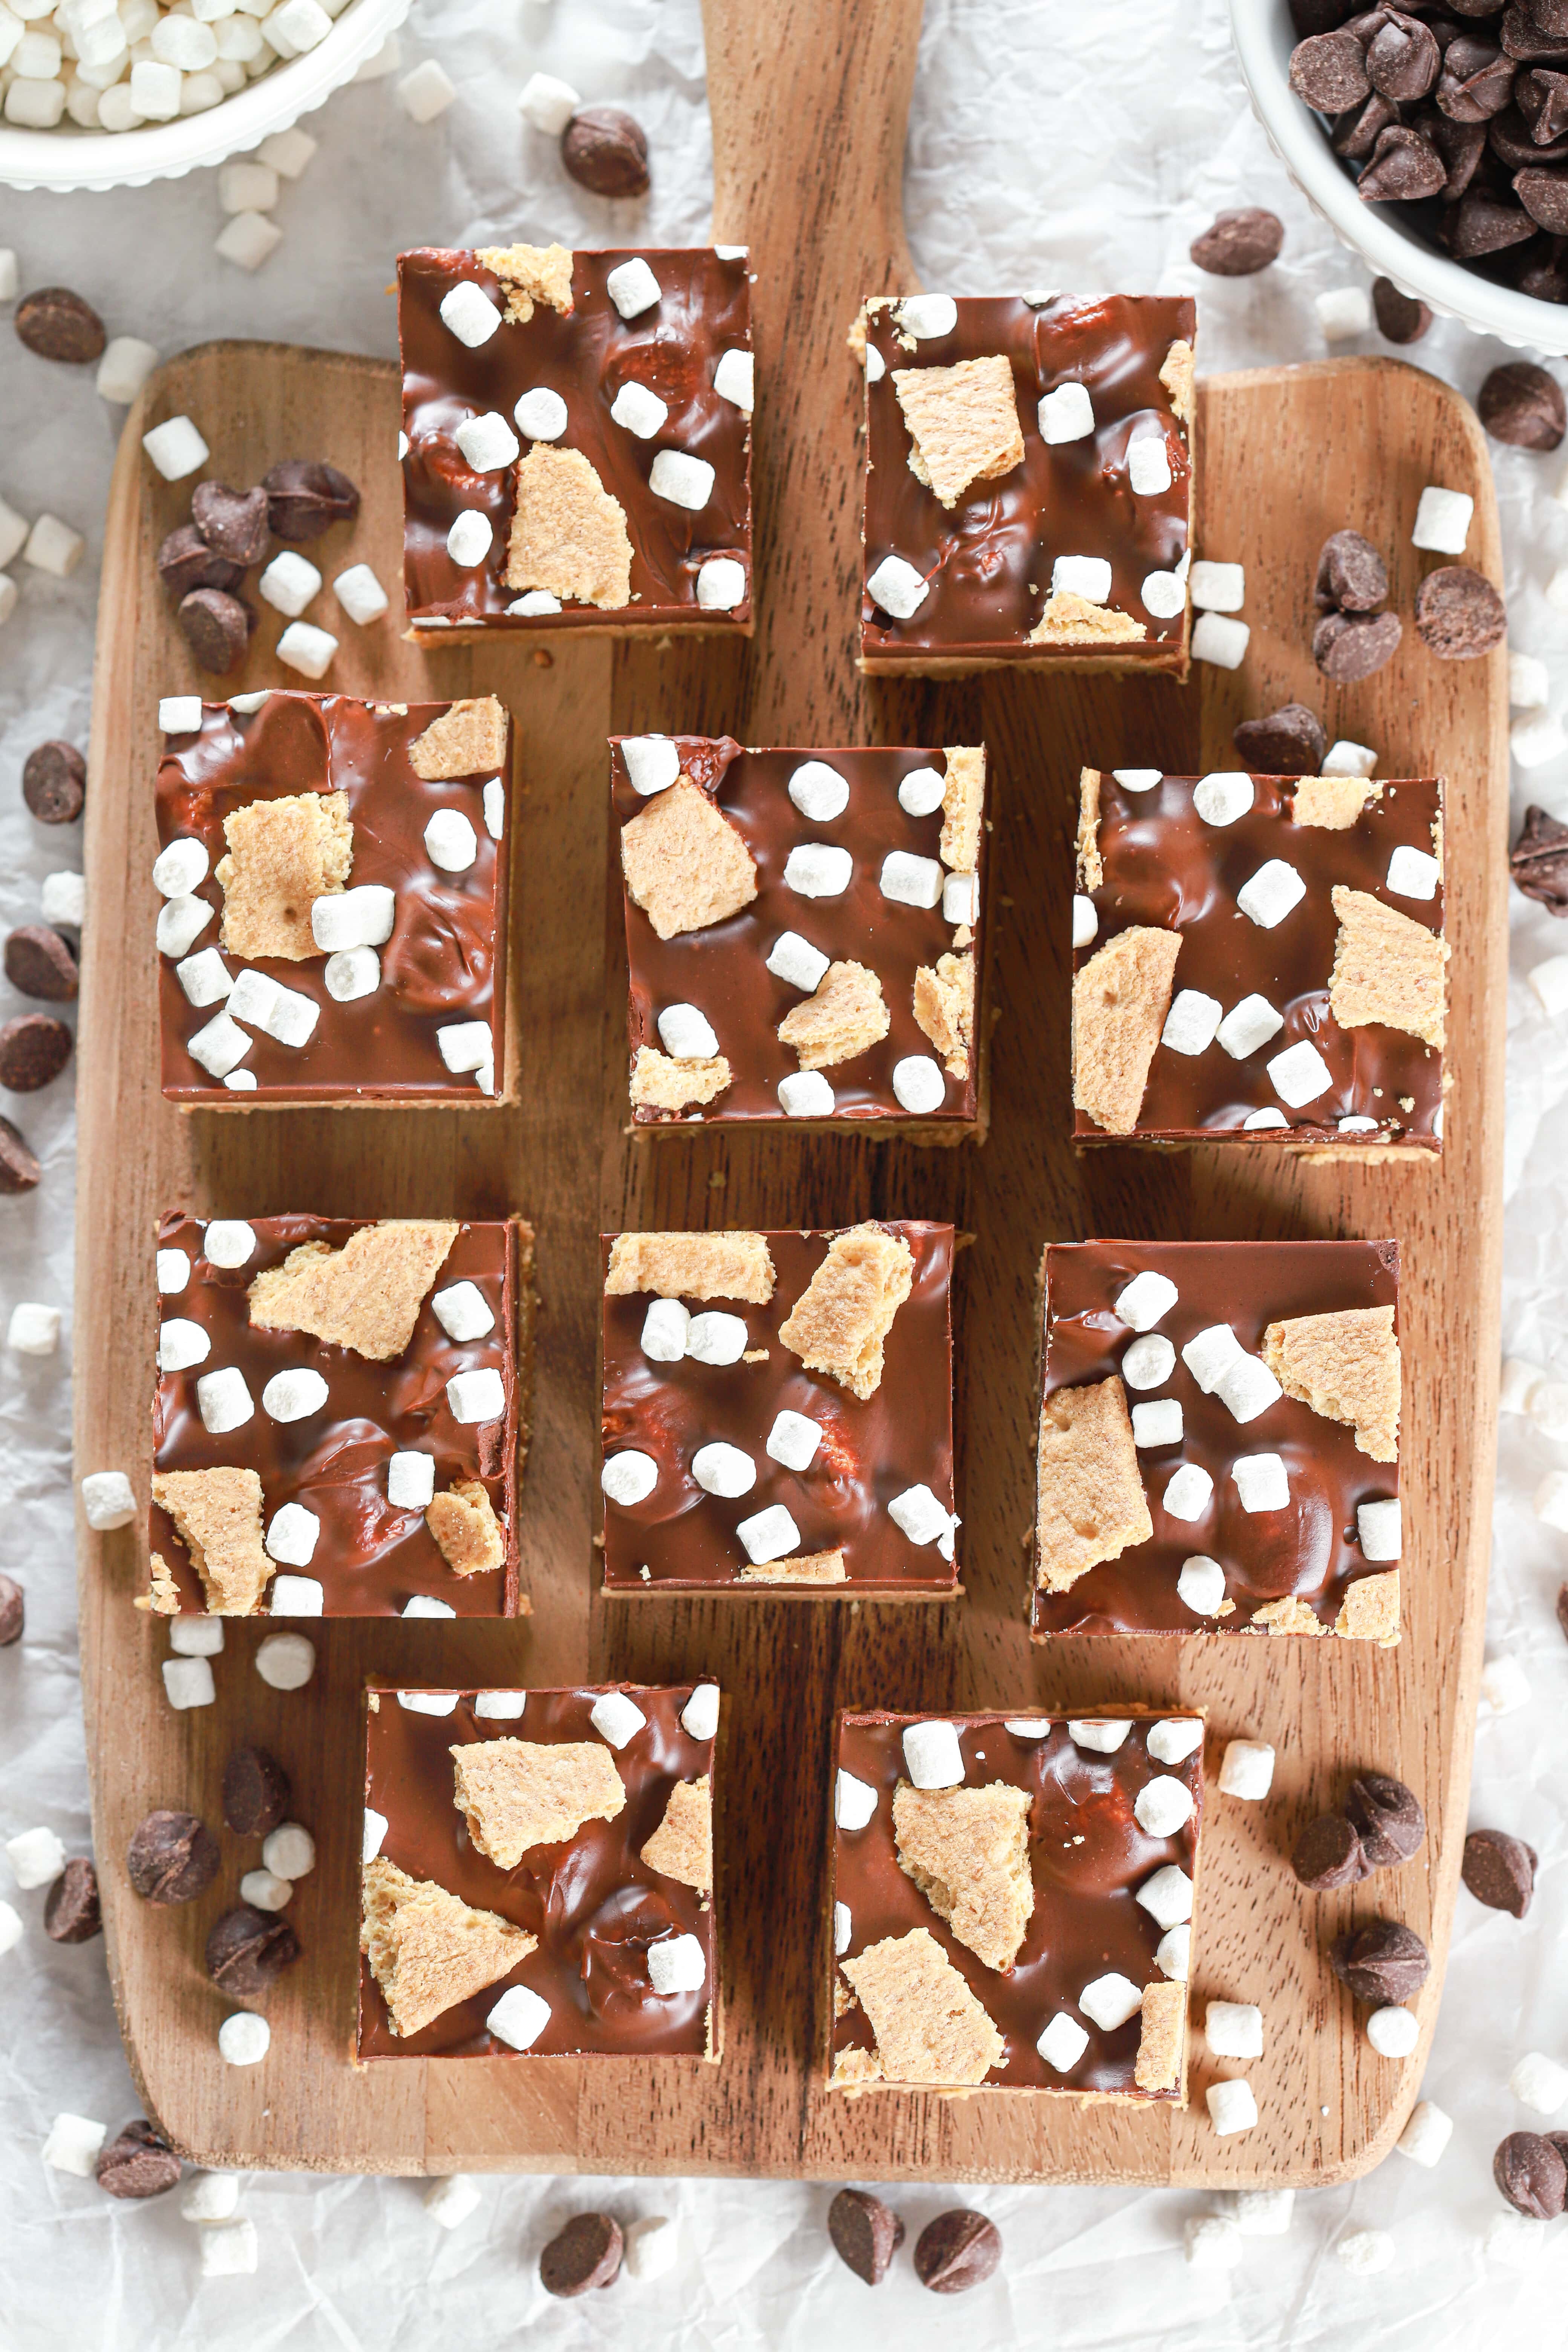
(1433, 138)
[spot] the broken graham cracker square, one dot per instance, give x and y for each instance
(1241, 1400)
(778, 1413)
(1262, 961)
(983, 1937)
(577, 440)
(319, 1419)
(806, 933)
(333, 880)
(506, 1833)
(1060, 429)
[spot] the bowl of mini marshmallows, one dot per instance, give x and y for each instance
(114, 93)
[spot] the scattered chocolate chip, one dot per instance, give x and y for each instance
(34, 1048)
(216, 627)
(1539, 861)
(1290, 742)
(865, 2233)
(41, 962)
(139, 2162)
(54, 783)
(1350, 646)
(58, 325)
(247, 1949)
(1532, 2175)
(233, 522)
(585, 2253)
(1404, 59)
(19, 1171)
(1351, 575)
(14, 1611)
(304, 498)
(71, 1914)
(1382, 1962)
(254, 1792)
(186, 562)
(957, 2250)
(1500, 1870)
(1400, 319)
(1328, 1854)
(1329, 71)
(1543, 194)
(1404, 167)
(1239, 244)
(1459, 613)
(172, 1857)
(604, 149)
(1388, 1819)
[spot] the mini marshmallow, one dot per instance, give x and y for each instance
(723, 1470)
(37, 1857)
(1516, 2239)
(351, 973)
(181, 1344)
(470, 538)
(33, 1329)
(487, 443)
(933, 1756)
(106, 1500)
(519, 2018)
(821, 793)
(210, 2197)
(427, 1702)
(288, 151)
(1065, 415)
(223, 1401)
(74, 2144)
(1443, 521)
(922, 791)
(1141, 1303)
(769, 1535)
(465, 1046)
(1549, 1409)
(308, 649)
(181, 922)
(1234, 2029)
(720, 584)
(1263, 2212)
(248, 240)
(1354, 1124)
(1247, 1769)
(1393, 2032)
(699, 1715)
(793, 1440)
(1247, 1388)
(1164, 594)
(175, 449)
(462, 1311)
(806, 1094)
(676, 1964)
(52, 545)
(467, 312)
(1174, 1738)
(638, 410)
(244, 2039)
(1063, 2042)
(734, 380)
(292, 1536)
(1217, 587)
(1102, 1736)
(1191, 1021)
(1148, 1363)
(1223, 797)
(297, 1596)
(286, 1661)
(360, 593)
(897, 587)
(179, 714)
(1029, 1727)
(818, 869)
(293, 1395)
(1529, 681)
(423, 95)
(633, 288)
(63, 899)
(540, 415)
(1219, 641)
(450, 841)
(229, 2249)
(1505, 1686)
(1519, 1379)
(1413, 874)
(1298, 1075)
(10, 276)
(476, 1396)
(178, 869)
(1201, 1584)
(664, 1330)
(174, 1272)
(493, 799)
(1347, 759)
(1088, 576)
(1550, 983)
(1157, 1423)
(615, 1718)
(450, 2201)
(1163, 1805)
(361, 917)
(687, 1034)
(1212, 2242)
(188, 1682)
(1343, 312)
(410, 1481)
(243, 186)
(1148, 465)
(290, 1850)
(919, 1085)
(1535, 741)
(651, 2248)
(918, 1515)
(1366, 2251)
(854, 1801)
(1247, 1025)
(1085, 920)
(1173, 1953)
(1167, 1896)
(549, 104)
(126, 364)
(796, 960)
(1187, 1496)
(1231, 2106)
(653, 763)
(1539, 2082)
(372, 1836)
(1262, 1483)
(1272, 893)
(1378, 1530)
(717, 1338)
(1110, 2001)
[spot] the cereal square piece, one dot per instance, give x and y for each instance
(1253, 1486)
(343, 1405)
(332, 909)
(526, 1850)
(982, 1934)
(1262, 961)
(778, 1413)
(806, 932)
(576, 440)
(1029, 466)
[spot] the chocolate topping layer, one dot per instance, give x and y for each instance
(594, 1905)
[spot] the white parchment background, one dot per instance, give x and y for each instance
(1083, 146)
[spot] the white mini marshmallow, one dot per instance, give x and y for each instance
(467, 312)
(1247, 1388)
(1247, 1025)
(1191, 1021)
(1212, 2242)
(181, 922)
(73, 2145)
(615, 1718)
(292, 1536)
(961, 898)
(549, 104)
(1158, 1422)
(1222, 797)
(306, 648)
(297, 1596)
(1164, 594)
(351, 973)
(63, 899)
(1550, 983)
(126, 364)
(793, 1440)
(769, 1535)
(821, 793)
(211, 2197)
(503, 1705)
(1247, 1769)
(428, 1702)
(540, 415)
(898, 588)
(1219, 641)
(1539, 2082)
(1344, 311)
(450, 2201)
(1443, 521)
(1365, 2251)
(1354, 1124)
(1142, 1301)
(633, 288)
(287, 151)
(1067, 415)
(1029, 1727)
(919, 1085)
(720, 584)
(933, 1756)
(652, 762)
(470, 538)
(463, 1311)
(926, 317)
(33, 1329)
(52, 545)
(494, 799)
(1102, 1736)
(1201, 1584)
(174, 1272)
(244, 2039)
(1148, 1363)
(699, 1715)
(37, 1857)
(1163, 1806)
(1231, 2106)
(1515, 2240)
(229, 2249)
(1427, 2135)
(1520, 1379)
(290, 1850)
(107, 1500)
(519, 2018)
(1263, 2212)
(1063, 2042)
(922, 791)
(1085, 920)
(1540, 738)
(1529, 681)
(286, 1661)
(819, 869)
(717, 1338)
(1393, 2032)
(188, 1682)
(918, 1515)
(465, 1046)
(288, 583)
(181, 1344)
(229, 1241)
(1088, 576)
(1167, 1896)
(638, 410)
(410, 1481)
(223, 1401)
(723, 1470)
(1148, 465)
(178, 870)
(1269, 897)
(475, 1396)
(854, 1801)
(537, 601)
(1262, 1483)
(176, 448)
(1347, 759)
(806, 1094)
(1110, 2001)
(682, 480)
(796, 960)
(1217, 587)
(487, 443)
(734, 380)
(294, 1395)
(1173, 1953)
(1298, 1076)
(1188, 1494)
(1505, 1686)
(1234, 2029)
(666, 1328)
(1175, 1737)
(687, 1034)
(676, 1964)
(1378, 1530)
(1413, 874)
(247, 240)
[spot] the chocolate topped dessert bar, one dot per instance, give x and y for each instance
(334, 885)
(1028, 482)
(1260, 957)
(1219, 1439)
(778, 1413)
(804, 930)
(576, 444)
(340, 1417)
(1011, 1903)
(538, 1873)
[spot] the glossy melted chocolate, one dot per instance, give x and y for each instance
(1088, 1856)
(370, 1559)
(900, 1437)
(594, 1906)
(672, 348)
(988, 560)
(1312, 1550)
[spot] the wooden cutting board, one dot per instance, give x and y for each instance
(809, 106)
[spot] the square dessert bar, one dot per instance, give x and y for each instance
(538, 1873)
(778, 1413)
(1011, 1901)
(1260, 957)
(805, 931)
(1219, 1439)
(576, 444)
(1028, 483)
(340, 1417)
(334, 884)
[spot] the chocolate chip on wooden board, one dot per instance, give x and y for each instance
(1500, 1870)
(1290, 742)
(13, 1612)
(19, 1169)
(1351, 575)
(586, 2253)
(54, 783)
(172, 1858)
(1522, 404)
(233, 522)
(1532, 2175)
(1459, 613)
(1400, 318)
(1239, 244)
(72, 1914)
(138, 2162)
(1388, 1819)
(1328, 1854)
(1382, 1961)
(41, 962)
(247, 1949)
(216, 627)
(34, 1048)
(1348, 646)
(957, 2250)
(58, 325)
(254, 1792)
(865, 2233)
(305, 498)
(605, 149)
(186, 562)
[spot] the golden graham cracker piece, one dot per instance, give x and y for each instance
(855, 2070)
(218, 1516)
(1334, 802)
(1347, 1368)
(1388, 969)
(846, 1016)
(467, 1531)
(1177, 376)
(1120, 1000)
(686, 864)
(1090, 869)
(682, 1845)
(842, 1317)
(1161, 2038)
(516, 1794)
(426, 1950)
(163, 1595)
(568, 534)
(928, 2025)
(282, 857)
(1290, 1615)
(967, 1849)
(468, 737)
(1090, 1503)
(691, 1265)
(806, 1568)
(1067, 619)
(963, 423)
(366, 1295)
(530, 274)
(1369, 1609)
(963, 802)
(945, 1009)
(660, 1083)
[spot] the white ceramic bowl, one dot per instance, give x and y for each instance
(1265, 37)
(69, 158)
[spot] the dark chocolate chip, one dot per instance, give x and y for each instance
(71, 1914)
(1500, 1870)
(58, 325)
(254, 1792)
(34, 1048)
(1543, 192)
(1462, 146)
(604, 149)
(1350, 646)
(172, 1857)
(1562, 1610)
(41, 962)
(1400, 319)
(14, 1611)
(247, 1949)
(304, 498)
(586, 2253)
(865, 2233)
(1328, 1854)
(1549, 17)
(216, 627)
(1239, 244)
(1476, 81)
(1366, 23)
(54, 783)
(1545, 280)
(1459, 613)
(232, 522)
(1356, 134)
(1388, 1819)
(1475, 7)
(1351, 575)
(1532, 2175)
(19, 1169)
(957, 2250)
(186, 562)
(1558, 2140)
(1404, 167)
(1290, 742)
(1383, 1962)
(1521, 403)
(1404, 59)
(1479, 224)
(1510, 139)
(1524, 38)
(139, 2162)
(1542, 97)
(1329, 71)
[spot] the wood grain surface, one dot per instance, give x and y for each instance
(809, 106)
